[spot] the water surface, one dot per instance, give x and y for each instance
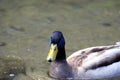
(26, 25)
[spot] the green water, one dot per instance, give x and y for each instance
(26, 25)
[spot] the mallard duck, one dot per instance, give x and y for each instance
(91, 63)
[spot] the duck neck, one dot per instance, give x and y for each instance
(61, 55)
(60, 70)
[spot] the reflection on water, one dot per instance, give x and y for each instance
(26, 25)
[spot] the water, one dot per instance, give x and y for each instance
(26, 25)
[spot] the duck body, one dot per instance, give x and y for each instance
(91, 63)
(96, 62)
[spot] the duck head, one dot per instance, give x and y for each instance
(57, 47)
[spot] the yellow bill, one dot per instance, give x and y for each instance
(52, 53)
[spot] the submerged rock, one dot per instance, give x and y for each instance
(2, 44)
(107, 24)
(10, 66)
(21, 29)
(22, 77)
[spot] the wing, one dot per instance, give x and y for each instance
(111, 72)
(91, 58)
